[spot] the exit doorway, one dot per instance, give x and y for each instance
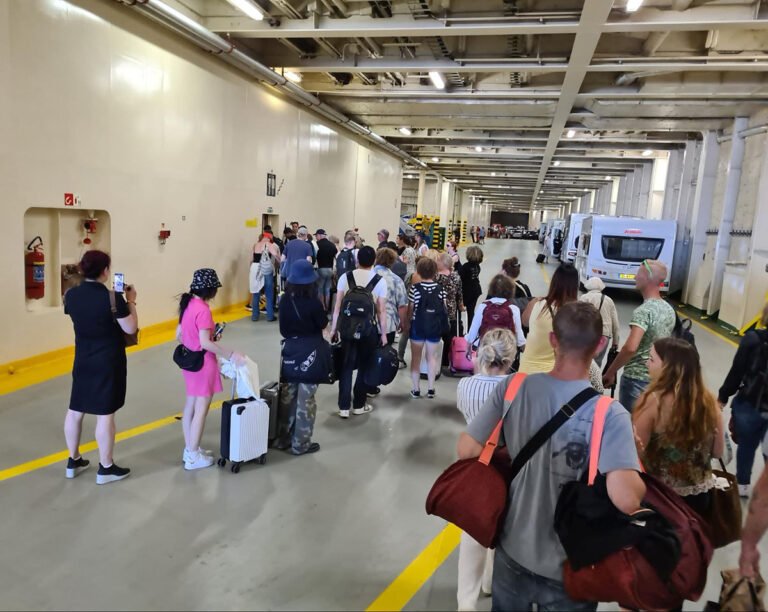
(274, 222)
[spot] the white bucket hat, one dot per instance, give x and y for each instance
(594, 284)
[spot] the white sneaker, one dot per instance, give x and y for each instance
(344, 414)
(186, 454)
(198, 461)
(744, 491)
(364, 410)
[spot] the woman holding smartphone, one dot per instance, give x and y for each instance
(196, 332)
(100, 371)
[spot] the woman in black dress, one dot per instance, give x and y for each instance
(470, 281)
(99, 372)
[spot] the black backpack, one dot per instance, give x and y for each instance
(431, 320)
(755, 389)
(345, 262)
(358, 310)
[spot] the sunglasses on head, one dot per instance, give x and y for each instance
(648, 267)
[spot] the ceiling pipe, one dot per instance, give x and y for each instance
(217, 45)
(753, 131)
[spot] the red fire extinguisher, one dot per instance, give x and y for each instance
(34, 269)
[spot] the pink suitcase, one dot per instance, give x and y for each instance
(459, 360)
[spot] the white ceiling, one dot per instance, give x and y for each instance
(520, 74)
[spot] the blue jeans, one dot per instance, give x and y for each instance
(749, 427)
(324, 282)
(269, 291)
(516, 588)
(629, 390)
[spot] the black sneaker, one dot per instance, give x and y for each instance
(75, 466)
(431, 394)
(111, 474)
(374, 392)
(312, 448)
(401, 364)
(416, 394)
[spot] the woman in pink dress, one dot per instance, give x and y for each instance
(196, 332)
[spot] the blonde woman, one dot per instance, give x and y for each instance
(493, 362)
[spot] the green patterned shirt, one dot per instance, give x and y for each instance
(657, 319)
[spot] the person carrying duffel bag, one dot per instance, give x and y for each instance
(306, 360)
(528, 561)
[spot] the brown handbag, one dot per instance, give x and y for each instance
(130, 339)
(724, 513)
(472, 493)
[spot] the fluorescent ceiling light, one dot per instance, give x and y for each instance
(435, 159)
(292, 76)
(557, 163)
(647, 153)
(250, 8)
(479, 149)
(437, 79)
(633, 5)
(586, 190)
(493, 174)
(608, 178)
(570, 134)
(405, 131)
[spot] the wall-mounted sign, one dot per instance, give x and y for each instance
(270, 210)
(252, 222)
(71, 199)
(271, 185)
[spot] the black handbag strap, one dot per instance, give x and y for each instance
(549, 429)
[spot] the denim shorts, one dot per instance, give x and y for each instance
(417, 337)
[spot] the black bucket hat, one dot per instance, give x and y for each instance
(205, 278)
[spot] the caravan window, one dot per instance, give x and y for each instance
(624, 248)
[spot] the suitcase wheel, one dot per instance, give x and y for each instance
(235, 468)
(221, 462)
(262, 460)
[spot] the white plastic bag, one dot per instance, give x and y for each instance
(246, 377)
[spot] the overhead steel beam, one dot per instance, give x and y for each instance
(701, 18)
(588, 35)
(426, 64)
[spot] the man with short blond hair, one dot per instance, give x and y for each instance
(652, 320)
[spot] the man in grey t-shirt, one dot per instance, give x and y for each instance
(528, 563)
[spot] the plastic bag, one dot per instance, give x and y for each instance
(246, 377)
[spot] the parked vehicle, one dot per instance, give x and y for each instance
(612, 248)
(543, 229)
(571, 238)
(555, 237)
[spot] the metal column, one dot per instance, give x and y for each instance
(681, 210)
(701, 211)
(420, 196)
(644, 191)
(733, 181)
(673, 184)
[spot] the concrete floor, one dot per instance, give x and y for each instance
(321, 532)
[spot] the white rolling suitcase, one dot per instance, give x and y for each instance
(423, 367)
(244, 432)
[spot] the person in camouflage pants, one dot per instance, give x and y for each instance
(296, 418)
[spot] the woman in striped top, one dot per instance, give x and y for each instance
(428, 322)
(493, 362)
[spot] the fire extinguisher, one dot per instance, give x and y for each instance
(34, 268)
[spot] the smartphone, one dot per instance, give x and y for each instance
(218, 330)
(119, 282)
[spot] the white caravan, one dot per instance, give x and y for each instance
(571, 238)
(555, 237)
(612, 248)
(543, 232)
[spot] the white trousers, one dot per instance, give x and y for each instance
(475, 572)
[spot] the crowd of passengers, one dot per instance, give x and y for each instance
(665, 418)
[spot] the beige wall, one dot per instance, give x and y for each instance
(96, 100)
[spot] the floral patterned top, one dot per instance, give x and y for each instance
(451, 284)
(687, 471)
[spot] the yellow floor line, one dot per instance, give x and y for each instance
(61, 456)
(544, 273)
(705, 328)
(58, 363)
(402, 589)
